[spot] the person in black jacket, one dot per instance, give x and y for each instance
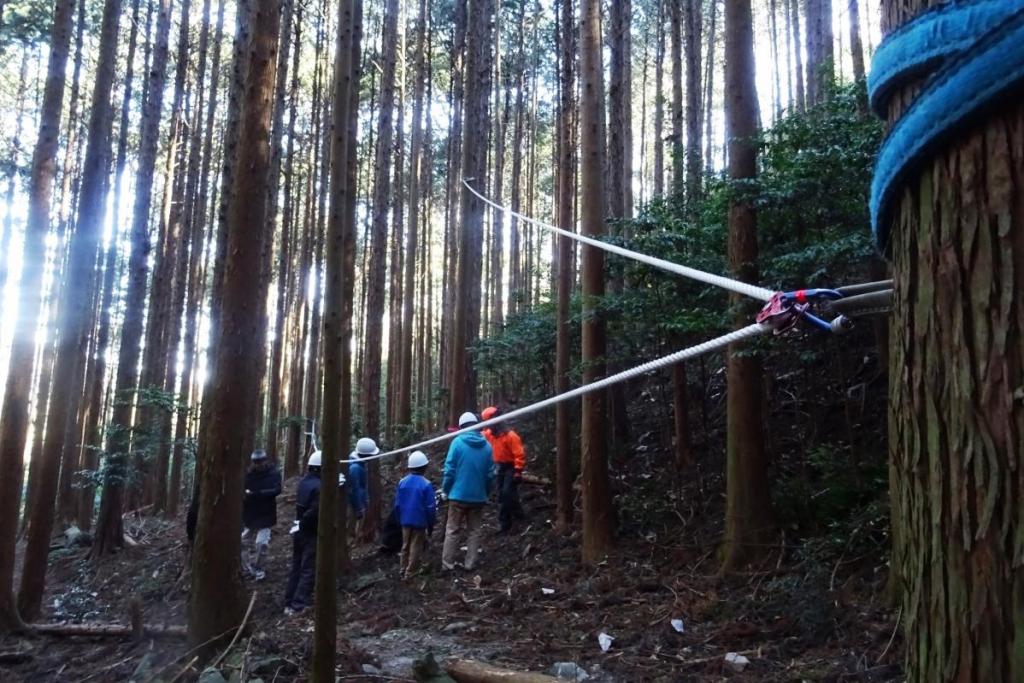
(299, 593)
(259, 511)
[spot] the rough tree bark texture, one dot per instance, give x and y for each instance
(957, 422)
(566, 195)
(14, 424)
(337, 323)
(748, 507)
(216, 604)
(597, 500)
(466, 326)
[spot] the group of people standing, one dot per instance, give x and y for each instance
(478, 464)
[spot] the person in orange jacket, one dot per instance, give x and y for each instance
(510, 461)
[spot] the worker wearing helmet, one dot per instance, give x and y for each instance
(510, 461)
(416, 505)
(358, 498)
(467, 482)
(299, 593)
(259, 511)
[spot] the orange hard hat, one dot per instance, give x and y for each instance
(489, 413)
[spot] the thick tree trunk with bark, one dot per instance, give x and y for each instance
(336, 326)
(956, 422)
(216, 604)
(692, 34)
(794, 18)
(566, 194)
(748, 516)
(466, 327)
(14, 424)
(597, 501)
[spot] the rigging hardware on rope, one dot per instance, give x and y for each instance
(781, 312)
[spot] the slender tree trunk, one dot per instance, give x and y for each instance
(748, 516)
(14, 424)
(467, 305)
(957, 250)
(801, 91)
(404, 413)
(693, 29)
(776, 62)
(566, 194)
(597, 501)
(857, 54)
(375, 283)
(678, 151)
(215, 603)
(659, 105)
(709, 89)
(109, 534)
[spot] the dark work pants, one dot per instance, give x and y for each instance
(299, 593)
(508, 496)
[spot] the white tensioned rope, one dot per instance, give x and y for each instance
(671, 359)
(707, 278)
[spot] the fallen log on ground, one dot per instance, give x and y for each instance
(469, 671)
(108, 630)
(535, 480)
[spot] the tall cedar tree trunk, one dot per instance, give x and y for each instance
(396, 269)
(182, 237)
(467, 305)
(403, 414)
(93, 431)
(956, 420)
(659, 105)
(776, 62)
(216, 604)
(375, 282)
(801, 90)
(109, 532)
(515, 268)
(336, 321)
(709, 88)
(198, 186)
(748, 516)
(14, 424)
(692, 32)
(820, 55)
(857, 55)
(66, 508)
(73, 315)
(678, 151)
(285, 247)
(619, 169)
(597, 500)
(566, 194)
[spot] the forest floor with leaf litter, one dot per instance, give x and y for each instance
(528, 605)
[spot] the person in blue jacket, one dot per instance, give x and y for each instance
(358, 498)
(416, 505)
(467, 482)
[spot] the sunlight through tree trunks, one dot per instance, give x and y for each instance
(14, 422)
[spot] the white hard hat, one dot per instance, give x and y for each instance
(314, 459)
(366, 446)
(467, 419)
(417, 459)
(258, 454)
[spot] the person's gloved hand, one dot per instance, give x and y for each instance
(341, 479)
(248, 492)
(295, 527)
(442, 495)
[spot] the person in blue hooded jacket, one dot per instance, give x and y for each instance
(467, 481)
